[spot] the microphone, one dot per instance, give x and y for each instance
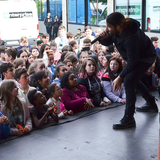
(98, 38)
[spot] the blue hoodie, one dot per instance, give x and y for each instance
(4, 130)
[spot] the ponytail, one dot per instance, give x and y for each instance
(127, 22)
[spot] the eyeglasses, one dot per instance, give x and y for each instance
(59, 88)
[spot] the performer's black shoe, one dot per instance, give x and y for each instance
(148, 107)
(125, 122)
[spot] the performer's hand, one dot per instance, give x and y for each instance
(104, 34)
(117, 83)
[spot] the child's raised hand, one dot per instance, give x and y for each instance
(19, 132)
(70, 112)
(65, 112)
(27, 129)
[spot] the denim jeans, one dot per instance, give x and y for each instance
(132, 83)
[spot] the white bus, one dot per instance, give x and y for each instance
(18, 18)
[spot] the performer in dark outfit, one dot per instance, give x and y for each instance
(137, 49)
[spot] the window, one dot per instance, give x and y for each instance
(97, 11)
(135, 10)
(121, 6)
(152, 19)
(56, 8)
(72, 11)
(131, 8)
(41, 8)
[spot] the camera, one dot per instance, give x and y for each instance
(86, 49)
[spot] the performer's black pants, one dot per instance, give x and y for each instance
(132, 82)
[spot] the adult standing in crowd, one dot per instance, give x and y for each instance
(56, 23)
(137, 49)
(48, 22)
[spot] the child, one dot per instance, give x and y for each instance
(74, 45)
(83, 56)
(62, 39)
(50, 64)
(92, 83)
(4, 126)
(114, 69)
(39, 44)
(36, 66)
(59, 71)
(35, 52)
(97, 47)
(30, 58)
(2, 55)
(71, 56)
(6, 70)
(23, 43)
(70, 37)
(23, 53)
(69, 65)
(10, 55)
(44, 47)
(40, 112)
(42, 81)
(54, 91)
(19, 63)
(150, 80)
(45, 38)
(101, 55)
(57, 55)
(22, 78)
(79, 34)
(15, 110)
(74, 97)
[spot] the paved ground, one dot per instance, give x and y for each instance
(90, 138)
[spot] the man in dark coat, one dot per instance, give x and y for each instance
(137, 49)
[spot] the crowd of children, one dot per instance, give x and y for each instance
(59, 78)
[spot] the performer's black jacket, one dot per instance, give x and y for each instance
(133, 45)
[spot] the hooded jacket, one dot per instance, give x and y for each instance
(48, 22)
(133, 45)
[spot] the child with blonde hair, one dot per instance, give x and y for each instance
(23, 43)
